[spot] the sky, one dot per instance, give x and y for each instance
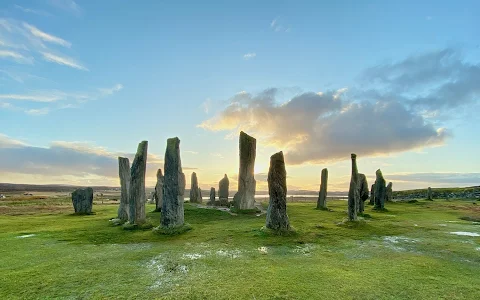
(396, 82)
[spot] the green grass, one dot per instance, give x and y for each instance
(405, 253)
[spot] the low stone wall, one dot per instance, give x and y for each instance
(441, 193)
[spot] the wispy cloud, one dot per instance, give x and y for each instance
(191, 152)
(67, 5)
(46, 36)
(32, 11)
(109, 91)
(62, 60)
(248, 56)
(37, 112)
(277, 27)
(16, 56)
(206, 105)
(32, 97)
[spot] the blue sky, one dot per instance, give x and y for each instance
(84, 81)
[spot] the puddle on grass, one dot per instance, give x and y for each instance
(465, 233)
(25, 236)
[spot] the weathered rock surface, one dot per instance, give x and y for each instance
(362, 186)
(322, 194)
(211, 200)
(82, 200)
(389, 193)
(277, 218)
(245, 197)
(124, 174)
(429, 193)
(380, 190)
(372, 195)
(194, 192)
(159, 191)
(136, 193)
(353, 193)
(223, 187)
(200, 194)
(173, 187)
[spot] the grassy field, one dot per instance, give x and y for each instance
(405, 253)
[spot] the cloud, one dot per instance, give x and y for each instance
(109, 91)
(320, 127)
(62, 60)
(451, 178)
(33, 97)
(16, 57)
(67, 5)
(46, 36)
(206, 105)
(191, 152)
(37, 112)
(217, 155)
(32, 11)
(78, 161)
(432, 81)
(248, 56)
(277, 27)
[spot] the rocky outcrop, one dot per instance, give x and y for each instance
(389, 192)
(223, 187)
(82, 200)
(353, 194)
(277, 218)
(173, 187)
(380, 191)
(194, 192)
(158, 193)
(245, 197)
(136, 193)
(362, 186)
(124, 174)
(322, 194)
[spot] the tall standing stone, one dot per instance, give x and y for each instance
(372, 195)
(277, 218)
(322, 195)
(124, 174)
(429, 193)
(173, 187)
(194, 193)
(353, 195)
(223, 187)
(200, 194)
(212, 197)
(362, 186)
(245, 197)
(380, 191)
(159, 191)
(389, 193)
(136, 193)
(82, 200)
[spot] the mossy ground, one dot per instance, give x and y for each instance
(405, 253)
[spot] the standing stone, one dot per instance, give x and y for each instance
(223, 186)
(212, 197)
(322, 195)
(194, 194)
(380, 191)
(372, 195)
(245, 197)
(173, 187)
(82, 200)
(124, 174)
(353, 195)
(136, 193)
(200, 194)
(159, 191)
(389, 194)
(362, 186)
(277, 218)
(429, 193)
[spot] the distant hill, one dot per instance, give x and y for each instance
(14, 187)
